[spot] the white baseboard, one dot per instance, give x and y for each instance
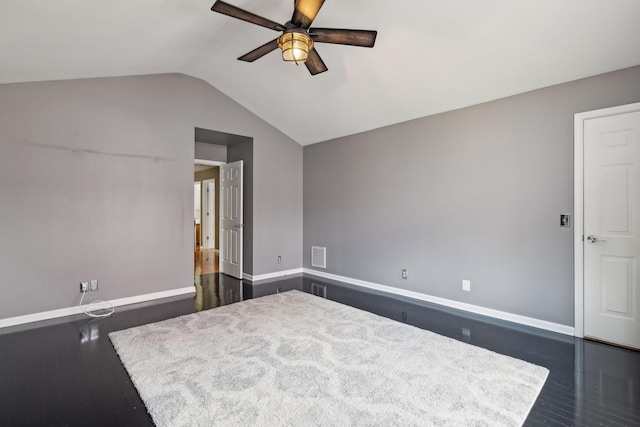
(273, 275)
(510, 317)
(502, 315)
(46, 315)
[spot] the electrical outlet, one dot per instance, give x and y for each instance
(84, 286)
(279, 259)
(404, 273)
(93, 285)
(466, 285)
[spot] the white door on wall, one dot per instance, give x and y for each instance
(231, 219)
(611, 222)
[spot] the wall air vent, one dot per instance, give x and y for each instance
(318, 290)
(318, 257)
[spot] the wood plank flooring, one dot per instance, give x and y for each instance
(206, 261)
(68, 374)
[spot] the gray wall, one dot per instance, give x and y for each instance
(206, 151)
(274, 228)
(96, 182)
(469, 194)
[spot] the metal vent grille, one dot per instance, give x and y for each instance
(318, 257)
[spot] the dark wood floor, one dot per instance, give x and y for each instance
(205, 261)
(68, 374)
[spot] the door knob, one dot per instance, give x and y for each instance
(594, 239)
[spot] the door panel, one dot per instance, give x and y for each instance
(611, 243)
(617, 289)
(231, 226)
(615, 199)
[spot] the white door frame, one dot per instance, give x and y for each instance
(208, 226)
(578, 203)
(208, 162)
(199, 185)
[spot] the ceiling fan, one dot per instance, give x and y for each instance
(297, 40)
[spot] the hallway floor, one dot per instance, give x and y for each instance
(206, 261)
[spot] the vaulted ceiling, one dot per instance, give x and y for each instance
(430, 56)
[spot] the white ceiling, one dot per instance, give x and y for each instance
(430, 55)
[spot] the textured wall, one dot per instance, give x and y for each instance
(96, 182)
(470, 194)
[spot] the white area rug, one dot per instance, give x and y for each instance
(294, 359)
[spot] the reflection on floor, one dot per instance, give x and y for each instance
(69, 374)
(206, 261)
(214, 290)
(206, 264)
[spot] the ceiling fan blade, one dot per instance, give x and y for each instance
(235, 12)
(305, 12)
(314, 63)
(260, 52)
(362, 38)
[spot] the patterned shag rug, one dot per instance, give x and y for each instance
(294, 359)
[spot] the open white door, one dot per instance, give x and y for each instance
(231, 219)
(208, 214)
(611, 243)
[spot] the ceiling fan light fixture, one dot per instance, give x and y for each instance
(295, 45)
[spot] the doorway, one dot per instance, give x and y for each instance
(234, 232)
(607, 213)
(206, 251)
